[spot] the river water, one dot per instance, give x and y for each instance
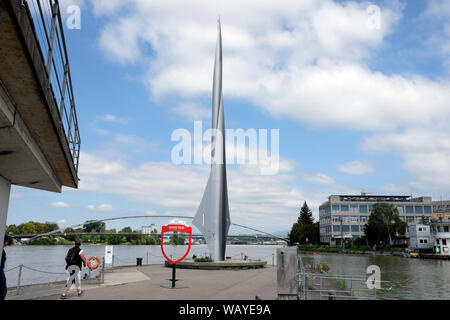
(409, 278)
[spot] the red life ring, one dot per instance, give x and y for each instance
(94, 265)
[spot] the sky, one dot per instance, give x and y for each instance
(359, 91)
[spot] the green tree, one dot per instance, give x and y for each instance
(94, 226)
(305, 216)
(28, 228)
(49, 227)
(384, 224)
(424, 220)
(303, 234)
(175, 239)
(12, 229)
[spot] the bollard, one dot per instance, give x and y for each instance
(331, 295)
(147, 258)
(273, 259)
(138, 262)
(19, 279)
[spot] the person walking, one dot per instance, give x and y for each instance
(74, 258)
(3, 285)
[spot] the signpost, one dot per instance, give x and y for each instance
(109, 254)
(175, 228)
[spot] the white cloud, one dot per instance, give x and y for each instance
(60, 204)
(102, 207)
(357, 167)
(319, 178)
(268, 202)
(112, 118)
(62, 221)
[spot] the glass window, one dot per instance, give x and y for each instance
(354, 208)
(437, 241)
(438, 229)
(427, 209)
(336, 218)
(344, 207)
(400, 209)
(335, 207)
(354, 219)
(336, 228)
(346, 228)
(445, 228)
(425, 240)
(345, 219)
(421, 240)
(370, 208)
(363, 209)
(444, 241)
(409, 209)
(355, 228)
(420, 229)
(418, 209)
(409, 219)
(363, 218)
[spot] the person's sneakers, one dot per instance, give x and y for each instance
(63, 296)
(81, 293)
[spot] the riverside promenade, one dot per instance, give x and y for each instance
(144, 283)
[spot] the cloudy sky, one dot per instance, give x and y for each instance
(360, 93)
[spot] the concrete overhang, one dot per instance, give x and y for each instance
(34, 150)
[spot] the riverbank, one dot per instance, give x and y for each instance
(380, 252)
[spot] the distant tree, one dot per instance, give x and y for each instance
(49, 227)
(175, 239)
(303, 234)
(424, 220)
(306, 216)
(115, 239)
(28, 228)
(12, 229)
(69, 230)
(384, 224)
(94, 226)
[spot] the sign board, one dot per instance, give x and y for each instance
(176, 228)
(109, 254)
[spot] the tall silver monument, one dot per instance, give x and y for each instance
(213, 216)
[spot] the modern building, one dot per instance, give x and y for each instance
(149, 229)
(440, 233)
(441, 210)
(420, 237)
(344, 216)
(39, 132)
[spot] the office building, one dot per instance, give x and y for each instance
(441, 210)
(149, 229)
(344, 216)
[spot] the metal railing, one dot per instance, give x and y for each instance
(330, 285)
(49, 31)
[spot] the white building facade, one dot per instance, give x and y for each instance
(345, 216)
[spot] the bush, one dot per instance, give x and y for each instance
(203, 260)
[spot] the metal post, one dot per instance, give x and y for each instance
(320, 292)
(306, 288)
(103, 270)
(19, 279)
(52, 39)
(112, 262)
(273, 259)
(63, 95)
(147, 257)
(173, 275)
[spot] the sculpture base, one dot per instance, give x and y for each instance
(219, 265)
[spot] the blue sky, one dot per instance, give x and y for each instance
(359, 106)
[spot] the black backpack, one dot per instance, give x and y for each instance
(73, 257)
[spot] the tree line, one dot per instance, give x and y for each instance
(36, 228)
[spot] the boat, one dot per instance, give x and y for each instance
(411, 253)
